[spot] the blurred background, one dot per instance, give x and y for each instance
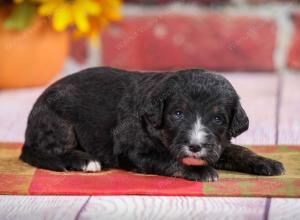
(254, 43)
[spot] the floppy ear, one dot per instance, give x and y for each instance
(153, 111)
(240, 121)
(156, 100)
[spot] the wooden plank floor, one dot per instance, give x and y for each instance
(41, 207)
(258, 95)
(154, 208)
(289, 118)
(15, 107)
(273, 118)
(283, 209)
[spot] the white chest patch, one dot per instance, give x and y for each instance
(198, 134)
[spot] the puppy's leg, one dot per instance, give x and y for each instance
(201, 173)
(51, 143)
(241, 159)
(76, 160)
(167, 166)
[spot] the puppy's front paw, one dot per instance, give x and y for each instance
(266, 167)
(92, 166)
(202, 173)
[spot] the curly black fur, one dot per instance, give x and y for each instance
(142, 122)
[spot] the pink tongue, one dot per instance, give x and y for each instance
(190, 161)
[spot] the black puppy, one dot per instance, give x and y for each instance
(103, 118)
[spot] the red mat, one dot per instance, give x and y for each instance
(19, 178)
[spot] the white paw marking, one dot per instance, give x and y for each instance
(92, 166)
(198, 134)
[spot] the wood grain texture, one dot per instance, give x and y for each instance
(282, 209)
(289, 119)
(156, 208)
(15, 108)
(40, 207)
(258, 93)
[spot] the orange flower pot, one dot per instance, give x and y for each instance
(33, 56)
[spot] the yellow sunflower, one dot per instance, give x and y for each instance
(110, 11)
(88, 16)
(69, 12)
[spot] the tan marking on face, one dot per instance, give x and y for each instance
(216, 109)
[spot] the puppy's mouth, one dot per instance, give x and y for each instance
(192, 161)
(202, 157)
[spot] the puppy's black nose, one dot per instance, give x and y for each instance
(194, 148)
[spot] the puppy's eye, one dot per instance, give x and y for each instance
(219, 120)
(178, 115)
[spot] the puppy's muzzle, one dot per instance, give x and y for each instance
(194, 148)
(209, 152)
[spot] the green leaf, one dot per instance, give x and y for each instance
(21, 16)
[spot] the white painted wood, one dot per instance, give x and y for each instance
(283, 209)
(15, 108)
(258, 93)
(289, 119)
(16, 105)
(161, 208)
(40, 207)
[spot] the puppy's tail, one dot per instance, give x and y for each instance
(41, 159)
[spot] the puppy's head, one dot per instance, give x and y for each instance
(195, 114)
